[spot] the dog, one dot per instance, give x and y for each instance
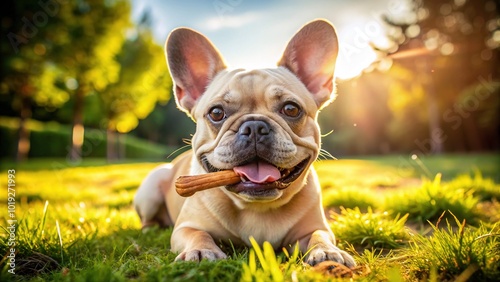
(261, 123)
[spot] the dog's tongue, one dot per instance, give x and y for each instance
(258, 172)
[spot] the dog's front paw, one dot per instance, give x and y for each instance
(331, 253)
(198, 255)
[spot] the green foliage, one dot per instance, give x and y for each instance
(229, 270)
(94, 34)
(143, 81)
(49, 93)
(471, 253)
(272, 268)
(379, 267)
(483, 188)
(78, 41)
(25, 70)
(370, 229)
(432, 199)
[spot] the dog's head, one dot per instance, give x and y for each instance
(260, 123)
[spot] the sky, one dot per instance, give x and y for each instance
(253, 34)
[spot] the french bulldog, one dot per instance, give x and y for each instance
(260, 123)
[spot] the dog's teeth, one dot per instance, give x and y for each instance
(242, 179)
(285, 173)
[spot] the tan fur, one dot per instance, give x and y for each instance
(292, 215)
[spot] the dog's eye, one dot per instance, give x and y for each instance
(291, 110)
(217, 114)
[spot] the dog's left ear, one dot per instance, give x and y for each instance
(193, 61)
(311, 55)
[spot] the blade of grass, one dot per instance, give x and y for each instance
(60, 240)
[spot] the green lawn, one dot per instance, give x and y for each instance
(402, 219)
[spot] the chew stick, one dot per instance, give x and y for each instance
(188, 185)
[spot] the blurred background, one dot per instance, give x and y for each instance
(88, 79)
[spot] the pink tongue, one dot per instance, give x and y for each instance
(259, 172)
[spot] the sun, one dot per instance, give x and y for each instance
(352, 62)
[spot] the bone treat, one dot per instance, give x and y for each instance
(188, 185)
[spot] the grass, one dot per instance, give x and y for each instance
(433, 198)
(76, 223)
(371, 229)
(460, 254)
(271, 267)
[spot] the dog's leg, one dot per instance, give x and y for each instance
(196, 245)
(149, 201)
(322, 248)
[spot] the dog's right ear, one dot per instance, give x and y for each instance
(193, 61)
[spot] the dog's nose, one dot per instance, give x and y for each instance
(254, 129)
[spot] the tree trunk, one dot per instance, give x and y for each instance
(472, 134)
(23, 134)
(111, 152)
(434, 123)
(121, 145)
(78, 128)
(427, 81)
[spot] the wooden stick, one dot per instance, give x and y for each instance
(188, 185)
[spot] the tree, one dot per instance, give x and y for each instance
(452, 46)
(95, 33)
(27, 73)
(143, 80)
(60, 50)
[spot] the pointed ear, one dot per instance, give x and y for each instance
(193, 61)
(311, 55)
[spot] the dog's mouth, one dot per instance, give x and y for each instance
(260, 178)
